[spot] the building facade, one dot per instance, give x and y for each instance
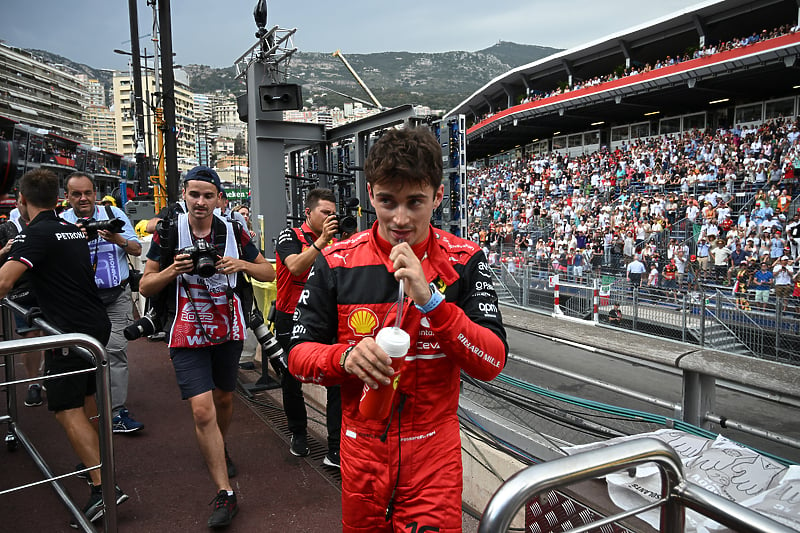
(123, 115)
(42, 95)
(102, 130)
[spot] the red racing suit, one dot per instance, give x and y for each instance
(411, 462)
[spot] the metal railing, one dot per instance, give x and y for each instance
(676, 493)
(739, 325)
(92, 351)
(767, 332)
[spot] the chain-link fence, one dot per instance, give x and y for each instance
(713, 317)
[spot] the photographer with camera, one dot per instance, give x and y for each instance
(296, 251)
(111, 239)
(198, 260)
(56, 256)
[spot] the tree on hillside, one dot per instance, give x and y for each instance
(238, 145)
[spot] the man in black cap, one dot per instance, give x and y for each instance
(209, 322)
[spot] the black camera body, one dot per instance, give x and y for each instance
(204, 258)
(92, 226)
(347, 220)
(347, 223)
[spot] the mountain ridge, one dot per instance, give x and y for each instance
(439, 80)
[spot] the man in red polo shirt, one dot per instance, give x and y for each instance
(296, 251)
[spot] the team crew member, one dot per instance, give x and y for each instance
(452, 317)
(205, 347)
(295, 252)
(22, 294)
(109, 253)
(56, 255)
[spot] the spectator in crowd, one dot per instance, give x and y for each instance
(704, 257)
(109, 253)
(762, 283)
(653, 278)
(741, 287)
(783, 274)
(721, 255)
(670, 279)
(351, 293)
(205, 347)
(693, 274)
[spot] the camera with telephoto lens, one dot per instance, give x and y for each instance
(144, 327)
(270, 348)
(347, 221)
(92, 226)
(204, 258)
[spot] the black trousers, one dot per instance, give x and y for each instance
(294, 404)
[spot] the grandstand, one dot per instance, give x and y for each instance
(648, 101)
(660, 143)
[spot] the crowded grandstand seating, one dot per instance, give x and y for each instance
(648, 198)
(682, 57)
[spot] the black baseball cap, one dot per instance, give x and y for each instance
(203, 173)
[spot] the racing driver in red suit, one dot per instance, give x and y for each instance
(404, 473)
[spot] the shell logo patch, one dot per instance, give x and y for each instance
(441, 285)
(363, 322)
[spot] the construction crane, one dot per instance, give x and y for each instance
(338, 53)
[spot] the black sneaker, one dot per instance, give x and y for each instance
(225, 509)
(299, 447)
(332, 459)
(94, 508)
(34, 396)
(82, 475)
(229, 463)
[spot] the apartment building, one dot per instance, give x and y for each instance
(42, 95)
(102, 130)
(123, 115)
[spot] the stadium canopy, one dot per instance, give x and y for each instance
(498, 121)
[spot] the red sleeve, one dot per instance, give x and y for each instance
(478, 350)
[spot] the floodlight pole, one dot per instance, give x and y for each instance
(168, 100)
(142, 170)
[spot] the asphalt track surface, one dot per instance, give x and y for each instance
(762, 413)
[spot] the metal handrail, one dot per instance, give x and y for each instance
(676, 492)
(721, 297)
(743, 317)
(94, 352)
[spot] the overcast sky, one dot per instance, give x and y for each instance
(217, 32)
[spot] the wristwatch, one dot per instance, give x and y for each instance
(344, 355)
(436, 298)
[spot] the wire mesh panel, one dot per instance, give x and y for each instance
(576, 301)
(715, 319)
